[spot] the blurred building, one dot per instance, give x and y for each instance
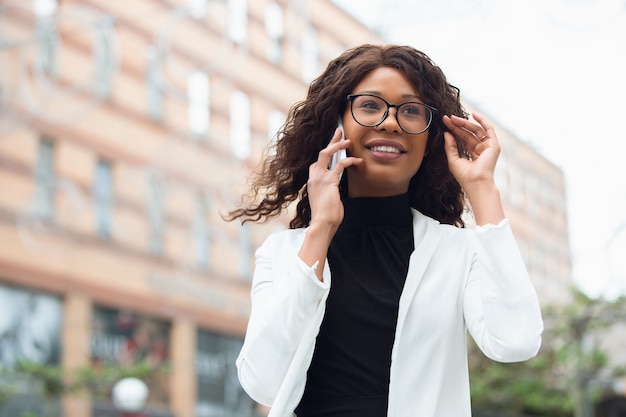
(533, 194)
(126, 128)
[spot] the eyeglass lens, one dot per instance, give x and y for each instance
(369, 110)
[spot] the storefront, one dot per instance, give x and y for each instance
(31, 328)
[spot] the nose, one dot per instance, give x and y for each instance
(390, 121)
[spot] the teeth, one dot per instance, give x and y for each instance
(389, 149)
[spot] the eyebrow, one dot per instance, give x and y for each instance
(378, 93)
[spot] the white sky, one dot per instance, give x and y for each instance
(553, 72)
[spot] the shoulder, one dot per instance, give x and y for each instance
(426, 222)
(445, 237)
(287, 235)
(283, 238)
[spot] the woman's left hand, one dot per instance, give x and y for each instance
(482, 145)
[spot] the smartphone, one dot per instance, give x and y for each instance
(340, 154)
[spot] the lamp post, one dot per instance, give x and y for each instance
(129, 397)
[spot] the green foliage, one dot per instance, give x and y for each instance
(517, 387)
(99, 380)
(563, 379)
(49, 377)
(53, 382)
(5, 392)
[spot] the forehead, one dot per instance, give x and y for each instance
(387, 81)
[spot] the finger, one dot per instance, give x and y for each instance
(460, 127)
(474, 129)
(333, 146)
(484, 123)
(337, 135)
(451, 148)
(345, 163)
(336, 138)
(463, 130)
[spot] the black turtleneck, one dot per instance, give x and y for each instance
(368, 258)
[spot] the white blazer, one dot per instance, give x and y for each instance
(458, 280)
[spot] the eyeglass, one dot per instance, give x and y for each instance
(370, 110)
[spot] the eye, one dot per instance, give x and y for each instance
(369, 104)
(412, 109)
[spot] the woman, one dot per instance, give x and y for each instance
(361, 308)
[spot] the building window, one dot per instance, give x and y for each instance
(154, 80)
(201, 232)
(103, 198)
(309, 54)
(45, 180)
(240, 134)
(104, 58)
(217, 385)
(30, 331)
(45, 7)
(156, 213)
(238, 21)
(275, 28)
(46, 35)
(198, 110)
(275, 121)
(197, 8)
(123, 338)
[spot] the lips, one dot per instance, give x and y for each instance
(386, 149)
(385, 146)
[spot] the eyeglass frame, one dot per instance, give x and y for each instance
(433, 111)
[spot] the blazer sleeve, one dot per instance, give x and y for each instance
(500, 304)
(287, 306)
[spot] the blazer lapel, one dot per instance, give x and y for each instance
(426, 238)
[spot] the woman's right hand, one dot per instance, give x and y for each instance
(325, 202)
(323, 184)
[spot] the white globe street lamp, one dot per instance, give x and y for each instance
(130, 395)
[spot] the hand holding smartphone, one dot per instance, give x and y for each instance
(340, 154)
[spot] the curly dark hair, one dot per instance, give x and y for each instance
(310, 123)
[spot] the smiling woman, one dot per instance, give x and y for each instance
(362, 307)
